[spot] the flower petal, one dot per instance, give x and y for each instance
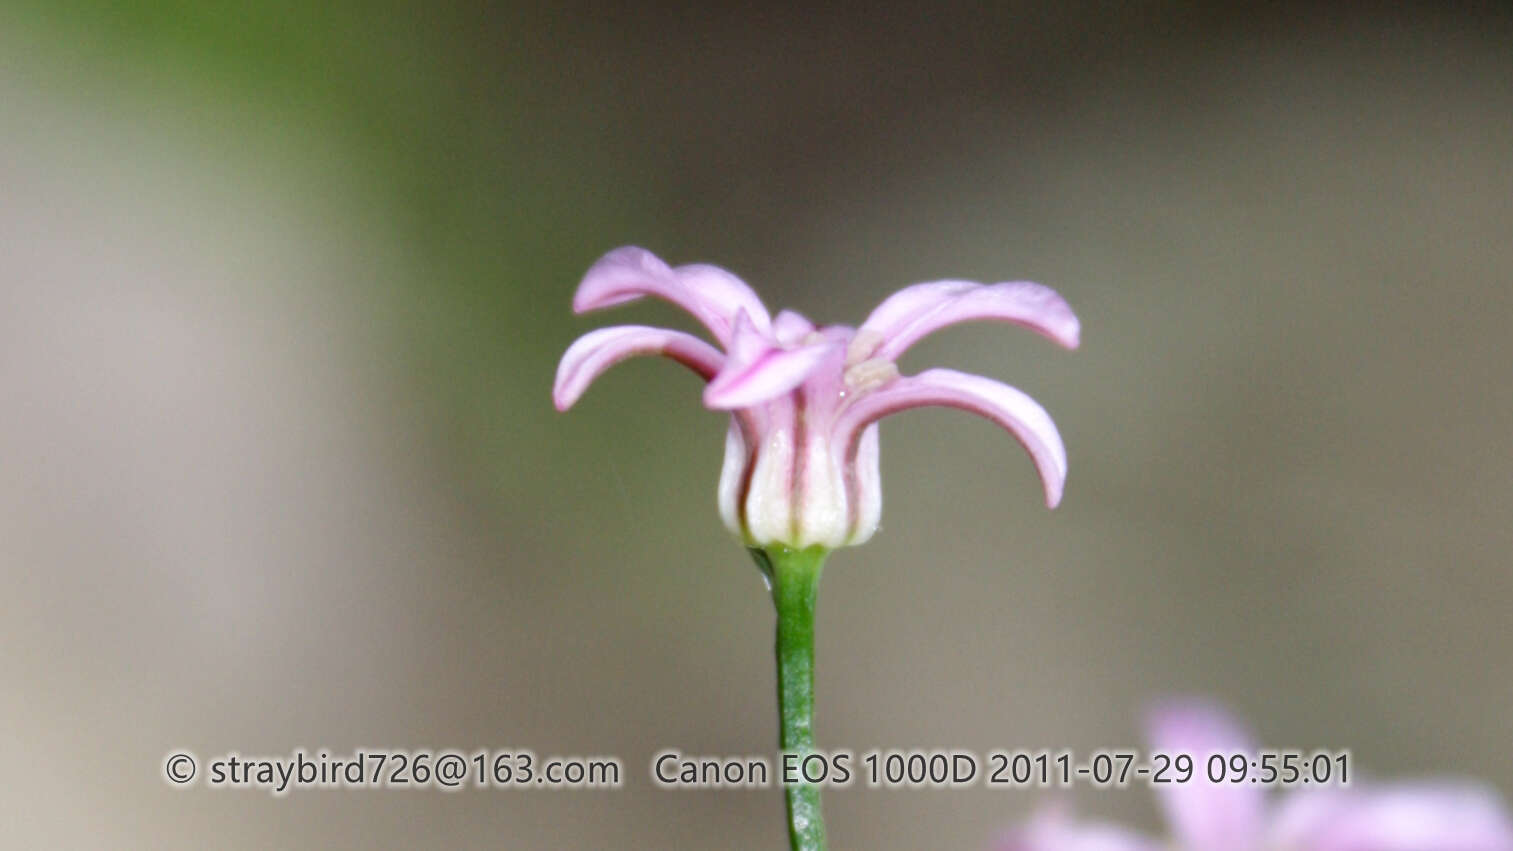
(1010, 408)
(790, 328)
(913, 312)
(713, 295)
(733, 471)
(865, 497)
(1206, 816)
(773, 373)
(593, 353)
(758, 371)
(727, 292)
(1437, 816)
(1054, 831)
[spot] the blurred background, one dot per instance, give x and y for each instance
(283, 287)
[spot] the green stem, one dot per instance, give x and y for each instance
(795, 578)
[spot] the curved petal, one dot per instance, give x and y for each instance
(727, 292)
(758, 371)
(1010, 408)
(1207, 816)
(771, 374)
(713, 295)
(1438, 816)
(865, 497)
(593, 353)
(733, 474)
(790, 327)
(913, 312)
(1053, 831)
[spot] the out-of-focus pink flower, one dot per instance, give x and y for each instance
(801, 454)
(1055, 830)
(1205, 816)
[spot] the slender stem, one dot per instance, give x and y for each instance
(795, 578)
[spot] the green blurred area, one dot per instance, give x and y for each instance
(436, 130)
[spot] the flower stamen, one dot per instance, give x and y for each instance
(869, 374)
(862, 346)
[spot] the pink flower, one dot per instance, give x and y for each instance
(1424, 816)
(801, 454)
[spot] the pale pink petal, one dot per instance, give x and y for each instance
(867, 487)
(1443, 816)
(771, 374)
(758, 371)
(790, 328)
(1010, 408)
(747, 341)
(1207, 816)
(1053, 831)
(597, 351)
(913, 312)
(738, 460)
(713, 295)
(724, 289)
